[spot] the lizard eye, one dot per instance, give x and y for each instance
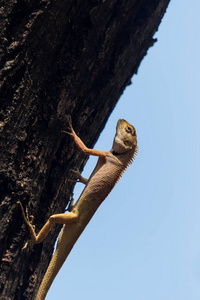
(129, 129)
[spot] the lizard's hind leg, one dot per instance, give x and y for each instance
(67, 218)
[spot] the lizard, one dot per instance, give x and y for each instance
(109, 168)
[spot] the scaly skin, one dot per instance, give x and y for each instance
(110, 166)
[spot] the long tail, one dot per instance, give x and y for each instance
(56, 263)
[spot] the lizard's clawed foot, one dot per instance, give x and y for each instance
(28, 220)
(69, 120)
(79, 177)
(31, 218)
(69, 127)
(76, 173)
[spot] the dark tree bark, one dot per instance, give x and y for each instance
(57, 58)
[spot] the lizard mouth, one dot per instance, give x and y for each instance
(119, 123)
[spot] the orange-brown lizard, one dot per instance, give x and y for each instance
(110, 167)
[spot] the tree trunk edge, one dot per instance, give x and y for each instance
(75, 66)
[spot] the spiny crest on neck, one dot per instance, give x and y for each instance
(129, 163)
(125, 142)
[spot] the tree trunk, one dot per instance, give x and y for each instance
(57, 58)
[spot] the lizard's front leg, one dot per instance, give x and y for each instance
(79, 177)
(67, 218)
(81, 145)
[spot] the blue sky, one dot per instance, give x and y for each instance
(144, 242)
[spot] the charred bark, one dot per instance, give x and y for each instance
(57, 58)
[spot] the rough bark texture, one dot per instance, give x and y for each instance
(57, 58)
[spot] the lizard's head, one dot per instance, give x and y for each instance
(125, 138)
